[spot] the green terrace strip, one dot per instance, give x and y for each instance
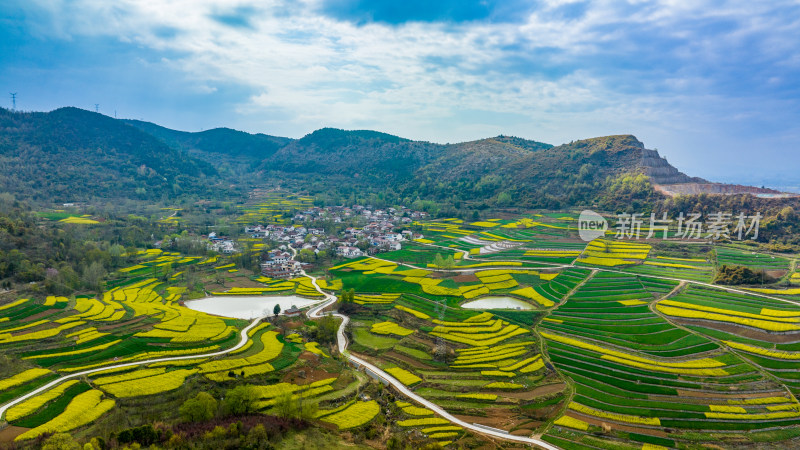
(736, 257)
(602, 351)
(487, 349)
(633, 368)
(707, 304)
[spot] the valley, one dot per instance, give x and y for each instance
(626, 343)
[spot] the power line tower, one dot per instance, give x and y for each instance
(13, 101)
(97, 107)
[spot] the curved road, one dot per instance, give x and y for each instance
(58, 381)
(315, 313)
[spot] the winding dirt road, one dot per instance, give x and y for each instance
(315, 312)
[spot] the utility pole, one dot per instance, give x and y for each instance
(13, 101)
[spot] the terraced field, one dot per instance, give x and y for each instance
(138, 319)
(612, 253)
(372, 277)
(754, 260)
(647, 379)
(684, 268)
(474, 364)
(624, 345)
(274, 209)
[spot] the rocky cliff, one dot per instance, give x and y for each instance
(662, 172)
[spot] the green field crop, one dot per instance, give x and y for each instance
(363, 337)
(52, 409)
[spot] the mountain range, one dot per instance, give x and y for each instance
(71, 154)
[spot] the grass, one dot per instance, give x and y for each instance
(363, 337)
(414, 353)
(528, 318)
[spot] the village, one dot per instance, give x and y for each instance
(346, 232)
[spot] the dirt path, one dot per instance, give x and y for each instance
(315, 312)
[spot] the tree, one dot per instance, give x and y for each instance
(144, 435)
(504, 199)
(98, 443)
(307, 255)
(284, 404)
(166, 270)
(60, 441)
(240, 400)
(326, 329)
(116, 251)
(93, 275)
(201, 407)
(276, 310)
(257, 436)
(438, 261)
(295, 407)
(448, 263)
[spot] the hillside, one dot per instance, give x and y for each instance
(211, 144)
(71, 154)
(534, 173)
(371, 155)
(478, 158)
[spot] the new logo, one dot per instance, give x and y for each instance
(591, 225)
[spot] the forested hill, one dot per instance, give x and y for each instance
(71, 154)
(369, 155)
(215, 143)
(593, 171)
(497, 171)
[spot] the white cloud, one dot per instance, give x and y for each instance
(416, 79)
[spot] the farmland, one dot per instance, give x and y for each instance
(622, 343)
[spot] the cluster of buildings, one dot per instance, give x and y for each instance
(279, 264)
(221, 244)
(376, 230)
(340, 214)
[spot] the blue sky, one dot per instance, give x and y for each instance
(714, 85)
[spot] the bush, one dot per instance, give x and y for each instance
(240, 400)
(200, 408)
(144, 435)
(735, 275)
(60, 441)
(257, 436)
(295, 406)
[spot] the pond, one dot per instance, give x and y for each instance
(247, 307)
(497, 303)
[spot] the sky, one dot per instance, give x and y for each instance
(714, 85)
